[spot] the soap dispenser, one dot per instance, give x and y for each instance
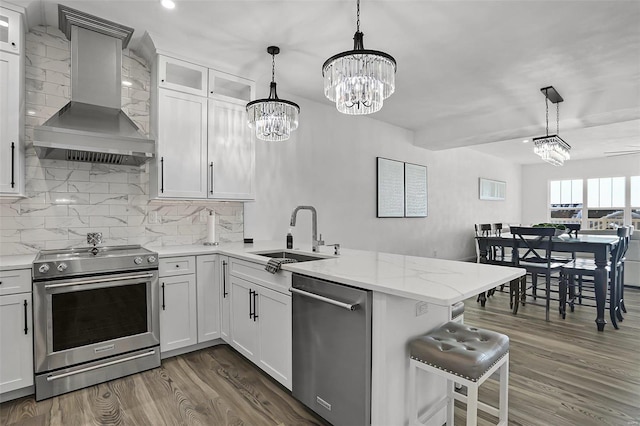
(289, 239)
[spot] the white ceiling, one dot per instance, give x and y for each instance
(469, 72)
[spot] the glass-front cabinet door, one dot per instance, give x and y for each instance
(182, 76)
(10, 30)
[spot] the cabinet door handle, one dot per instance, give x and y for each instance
(162, 175)
(250, 301)
(224, 279)
(211, 178)
(163, 296)
(26, 326)
(13, 166)
(255, 305)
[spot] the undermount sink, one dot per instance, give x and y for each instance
(283, 254)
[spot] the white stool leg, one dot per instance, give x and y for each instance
(413, 394)
(450, 402)
(504, 392)
(472, 405)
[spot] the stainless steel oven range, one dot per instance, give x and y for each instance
(95, 316)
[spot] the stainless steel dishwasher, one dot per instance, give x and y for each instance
(332, 350)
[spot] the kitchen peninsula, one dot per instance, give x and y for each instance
(411, 296)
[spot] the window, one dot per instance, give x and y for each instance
(600, 204)
(565, 197)
(635, 201)
(605, 202)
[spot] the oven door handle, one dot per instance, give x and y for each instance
(98, 280)
(95, 367)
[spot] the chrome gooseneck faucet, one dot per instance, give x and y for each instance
(314, 225)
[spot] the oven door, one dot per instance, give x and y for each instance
(84, 319)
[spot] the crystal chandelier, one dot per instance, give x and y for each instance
(552, 148)
(359, 80)
(273, 118)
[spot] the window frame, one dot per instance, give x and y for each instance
(627, 209)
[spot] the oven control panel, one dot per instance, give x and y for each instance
(56, 264)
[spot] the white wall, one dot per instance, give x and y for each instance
(330, 163)
(536, 177)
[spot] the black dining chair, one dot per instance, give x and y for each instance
(532, 251)
(496, 255)
(573, 229)
(580, 268)
(621, 271)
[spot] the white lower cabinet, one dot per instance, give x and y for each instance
(178, 320)
(261, 323)
(189, 301)
(274, 324)
(225, 300)
(244, 328)
(208, 295)
(16, 333)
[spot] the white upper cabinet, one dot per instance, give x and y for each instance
(231, 149)
(231, 160)
(9, 123)
(11, 31)
(181, 146)
(183, 76)
(11, 103)
(225, 86)
(204, 147)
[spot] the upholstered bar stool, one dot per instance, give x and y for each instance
(465, 355)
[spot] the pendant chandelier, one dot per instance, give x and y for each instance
(552, 148)
(359, 80)
(273, 118)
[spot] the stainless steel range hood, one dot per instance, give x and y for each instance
(92, 127)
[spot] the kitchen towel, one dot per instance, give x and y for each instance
(211, 227)
(273, 265)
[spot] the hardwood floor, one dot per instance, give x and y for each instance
(214, 386)
(563, 372)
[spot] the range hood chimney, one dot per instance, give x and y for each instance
(92, 127)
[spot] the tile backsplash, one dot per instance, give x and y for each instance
(65, 200)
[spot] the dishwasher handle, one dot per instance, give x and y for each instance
(347, 306)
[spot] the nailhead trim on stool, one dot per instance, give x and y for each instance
(463, 355)
(457, 312)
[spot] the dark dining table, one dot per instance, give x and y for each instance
(599, 245)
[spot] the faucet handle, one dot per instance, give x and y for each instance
(320, 241)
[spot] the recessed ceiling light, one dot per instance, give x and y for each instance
(169, 4)
(525, 141)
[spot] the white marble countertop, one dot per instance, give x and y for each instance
(18, 261)
(442, 282)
